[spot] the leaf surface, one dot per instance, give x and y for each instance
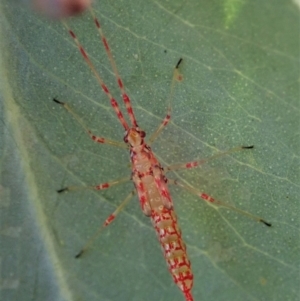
(240, 87)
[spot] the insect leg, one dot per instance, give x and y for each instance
(105, 224)
(193, 164)
(176, 77)
(93, 137)
(96, 187)
(213, 201)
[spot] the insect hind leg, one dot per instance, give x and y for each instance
(107, 222)
(213, 201)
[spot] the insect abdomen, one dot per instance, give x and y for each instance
(174, 249)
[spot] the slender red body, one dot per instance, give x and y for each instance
(148, 175)
(174, 249)
(156, 202)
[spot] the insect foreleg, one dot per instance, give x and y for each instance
(176, 77)
(93, 137)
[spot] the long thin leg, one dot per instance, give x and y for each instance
(211, 200)
(107, 222)
(96, 187)
(113, 102)
(176, 77)
(125, 97)
(193, 164)
(93, 137)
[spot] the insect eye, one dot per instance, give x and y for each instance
(143, 134)
(125, 139)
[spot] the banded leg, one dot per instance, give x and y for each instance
(96, 187)
(211, 200)
(93, 137)
(107, 222)
(193, 164)
(176, 77)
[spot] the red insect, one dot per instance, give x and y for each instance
(148, 176)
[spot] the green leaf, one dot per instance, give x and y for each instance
(240, 87)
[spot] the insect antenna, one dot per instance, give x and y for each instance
(113, 102)
(125, 97)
